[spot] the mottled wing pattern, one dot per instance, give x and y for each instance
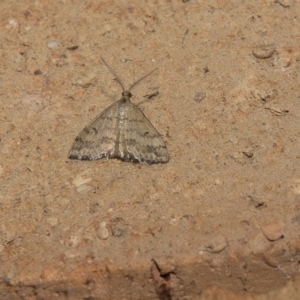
(141, 141)
(98, 139)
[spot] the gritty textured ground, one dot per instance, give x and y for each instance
(225, 211)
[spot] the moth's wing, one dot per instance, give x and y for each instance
(142, 142)
(98, 139)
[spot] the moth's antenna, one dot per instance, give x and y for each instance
(115, 75)
(141, 79)
(119, 80)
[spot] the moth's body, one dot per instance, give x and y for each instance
(120, 131)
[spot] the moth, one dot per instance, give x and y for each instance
(121, 131)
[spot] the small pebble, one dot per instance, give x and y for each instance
(79, 180)
(256, 201)
(117, 231)
(151, 95)
(216, 245)
(273, 231)
(52, 44)
(118, 227)
(248, 153)
(37, 72)
(73, 48)
(263, 51)
(12, 23)
(199, 96)
(103, 233)
(84, 188)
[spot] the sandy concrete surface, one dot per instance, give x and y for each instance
(221, 219)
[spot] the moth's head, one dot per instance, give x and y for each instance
(126, 94)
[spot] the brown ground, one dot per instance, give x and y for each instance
(225, 211)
